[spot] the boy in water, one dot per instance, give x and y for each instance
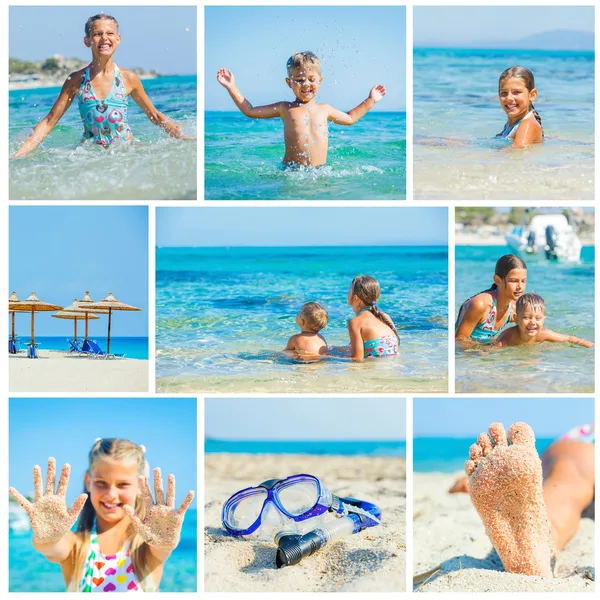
(531, 314)
(311, 319)
(305, 127)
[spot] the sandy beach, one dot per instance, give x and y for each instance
(58, 371)
(371, 561)
(448, 533)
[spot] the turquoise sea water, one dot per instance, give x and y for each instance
(132, 347)
(224, 315)
(447, 455)
(457, 114)
(568, 290)
(365, 162)
(321, 447)
(29, 571)
(154, 167)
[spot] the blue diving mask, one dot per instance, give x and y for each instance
(300, 505)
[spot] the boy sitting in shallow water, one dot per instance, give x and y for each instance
(305, 126)
(309, 342)
(531, 314)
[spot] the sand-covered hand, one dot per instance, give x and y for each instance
(49, 516)
(162, 524)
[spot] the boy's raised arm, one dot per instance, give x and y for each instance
(269, 111)
(354, 115)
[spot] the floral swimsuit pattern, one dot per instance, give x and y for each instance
(104, 120)
(378, 347)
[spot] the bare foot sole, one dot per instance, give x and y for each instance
(505, 485)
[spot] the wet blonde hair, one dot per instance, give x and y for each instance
(125, 451)
(90, 23)
(534, 301)
(315, 316)
(304, 60)
(367, 289)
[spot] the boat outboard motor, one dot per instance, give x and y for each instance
(551, 243)
(531, 242)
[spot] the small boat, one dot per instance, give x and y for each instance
(552, 235)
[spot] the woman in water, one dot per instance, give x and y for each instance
(104, 120)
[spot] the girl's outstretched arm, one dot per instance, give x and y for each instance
(50, 519)
(357, 349)
(161, 528)
(138, 93)
(47, 124)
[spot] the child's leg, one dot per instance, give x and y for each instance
(568, 467)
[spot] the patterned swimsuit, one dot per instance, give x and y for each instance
(104, 120)
(111, 573)
(485, 332)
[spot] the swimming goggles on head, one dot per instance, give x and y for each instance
(298, 513)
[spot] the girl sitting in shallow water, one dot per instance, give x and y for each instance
(517, 92)
(372, 332)
(122, 538)
(104, 121)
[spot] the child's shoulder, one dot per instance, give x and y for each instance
(75, 78)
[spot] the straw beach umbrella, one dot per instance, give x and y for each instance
(72, 312)
(33, 304)
(110, 303)
(13, 302)
(83, 306)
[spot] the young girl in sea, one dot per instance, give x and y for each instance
(372, 332)
(104, 121)
(122, 538)
(517, 91)
(486, 314)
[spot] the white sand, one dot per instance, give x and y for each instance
(449, 532)
(372, 560)
(58, 371)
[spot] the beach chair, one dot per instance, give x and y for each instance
(94, 350)
(32, 351)
(75, 349)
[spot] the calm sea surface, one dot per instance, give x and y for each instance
(132, 347)
(447, 455)
(154, 167)
(337, 447)
(365, 162)
(457, 115)
(29, 571)
(568, 290)
(224, 315)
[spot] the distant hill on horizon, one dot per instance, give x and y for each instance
(557, 39)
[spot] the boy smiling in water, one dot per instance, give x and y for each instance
(531, 314)
(305, 123)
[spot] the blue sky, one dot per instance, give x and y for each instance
(153, 37)
(468, 417)
(66, 428)
(359, 47)
(59, 252)
(305, 419)
(344, 226)
(464, 25)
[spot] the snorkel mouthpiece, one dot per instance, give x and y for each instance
(291, 549)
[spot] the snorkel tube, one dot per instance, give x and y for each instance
(292, 548)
